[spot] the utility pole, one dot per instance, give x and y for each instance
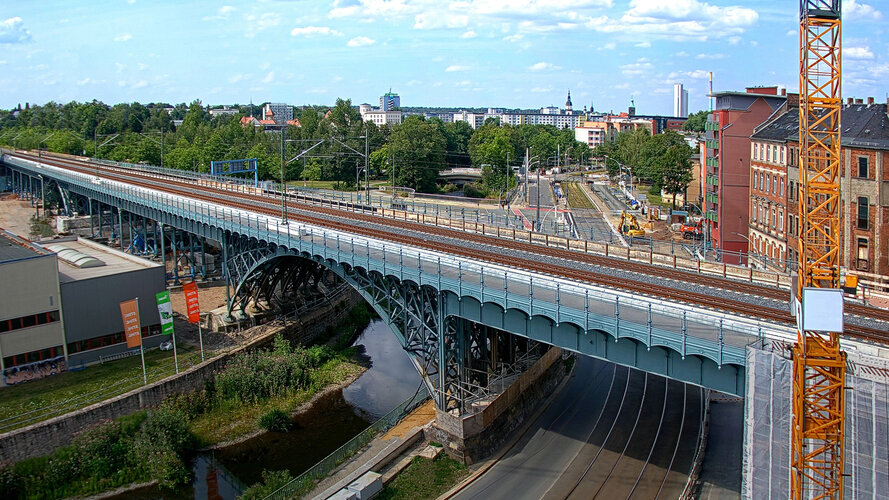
(283, 179)
(366, 188)
(537, 220)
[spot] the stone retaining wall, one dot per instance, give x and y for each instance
(44, 437)
(474, 437)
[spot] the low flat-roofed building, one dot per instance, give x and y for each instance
(94, 280)
(31, 330)
(59, 304)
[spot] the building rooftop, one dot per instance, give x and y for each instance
(13, 247)
(864, 126)
(81, 259)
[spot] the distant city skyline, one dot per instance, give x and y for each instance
(480, 53)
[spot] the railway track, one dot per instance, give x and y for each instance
(268, 206)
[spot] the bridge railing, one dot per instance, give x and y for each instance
(688, 330)
(305, 482)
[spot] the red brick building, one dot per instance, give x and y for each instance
(727, 186)
(864, 186)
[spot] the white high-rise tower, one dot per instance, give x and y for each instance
(680, 101)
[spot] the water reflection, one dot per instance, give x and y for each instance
(390, 380)
(334, 419)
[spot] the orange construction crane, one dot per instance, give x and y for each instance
(819, 366)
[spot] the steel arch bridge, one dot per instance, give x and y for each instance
(447, 313)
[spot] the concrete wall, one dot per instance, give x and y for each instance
(475, 437)
(44, 437)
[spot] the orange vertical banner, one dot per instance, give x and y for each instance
(129, 311)
(191, 302)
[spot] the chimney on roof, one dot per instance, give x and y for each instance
(849, 101)
(870, 100)
(859, 101)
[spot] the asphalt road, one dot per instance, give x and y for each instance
(613, 432)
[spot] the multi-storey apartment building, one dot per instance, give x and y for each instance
(728, 150)
(864, 187)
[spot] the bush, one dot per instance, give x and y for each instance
(272, 480)
(474, 191)
(275, 420)
(10, 482)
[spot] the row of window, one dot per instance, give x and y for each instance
(12, 324)
(775, 154)
(770, 217)
(108, 340)
(767, 183)
(769, 153)
(768, 249)
(32, 357)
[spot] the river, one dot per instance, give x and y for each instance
(332, 421)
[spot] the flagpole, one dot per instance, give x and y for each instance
(141, 346)
(175, 357)
(200, 337)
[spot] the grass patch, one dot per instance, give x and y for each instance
(424, 479)
(231, 419)
(38, 400)
(576, 197)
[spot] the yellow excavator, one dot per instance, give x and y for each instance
(629, 226)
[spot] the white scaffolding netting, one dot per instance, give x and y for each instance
(767, 415)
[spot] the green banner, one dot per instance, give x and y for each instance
(165, 309)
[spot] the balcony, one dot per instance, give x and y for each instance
(713, 180)
(711, 216)
(712, 144)
(712, 161)
(711, 125)
(712, 198)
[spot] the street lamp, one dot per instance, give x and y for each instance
(752, 252)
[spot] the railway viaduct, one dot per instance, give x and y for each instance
(453, 298)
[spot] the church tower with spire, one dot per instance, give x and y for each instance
(568, 106)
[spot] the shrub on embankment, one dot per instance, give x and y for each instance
(141, 447)
(158, 444)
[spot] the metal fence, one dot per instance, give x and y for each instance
(306, 481)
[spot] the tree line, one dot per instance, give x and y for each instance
(410, 154)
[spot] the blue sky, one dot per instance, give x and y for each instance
(498, 53)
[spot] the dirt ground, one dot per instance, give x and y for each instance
(417, 418)
(15, 215)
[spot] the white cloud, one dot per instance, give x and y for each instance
(84, 81)
(123, 37)
(456, 67)
(852, 9)
(542, 66)
(140, 84)
(221, 14)
(541, 90)
(120, 67)
(608, 46)
(13, 30)
(710, 56)
(513, 38)
(269, 78)
(469, 34)
(238, 78)
(638, 68)
(264, 21)
(644, 45)
(361, 41)
(858, 52)
(310, 31)
(682, 20)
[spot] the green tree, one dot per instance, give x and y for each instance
(418, 148)
(696, 121)
(676, 171)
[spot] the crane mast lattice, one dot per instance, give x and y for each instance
(819, 366)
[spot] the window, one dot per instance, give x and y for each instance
(769, 152)
(775, 185)
(862, 264)
(782, 154)
(768, 183)
(782, 186)
(862, 212)
(780, 220)
(774, 219)
(755, 151)
(754, 180)
(862, 167)
(754, 211)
